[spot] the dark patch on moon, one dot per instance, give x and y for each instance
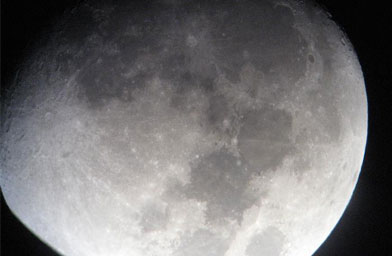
(264, 138)
(262, 32)
(220, 181)
(270, 242)
(311, 58)
(103, 81)
(218, 111)
(184, 51)
(178, 69)
(66, 154)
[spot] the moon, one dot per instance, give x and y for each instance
(185, 128)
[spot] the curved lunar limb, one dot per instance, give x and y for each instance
(186, 128)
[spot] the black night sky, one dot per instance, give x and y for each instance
(366, 226)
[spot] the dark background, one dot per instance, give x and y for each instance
(366, 226)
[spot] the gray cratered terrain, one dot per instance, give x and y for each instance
(186, 128)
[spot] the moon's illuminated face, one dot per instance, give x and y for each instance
(184, 128)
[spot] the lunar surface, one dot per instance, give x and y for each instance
(185, 128)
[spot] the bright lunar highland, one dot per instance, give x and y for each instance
(185, 128)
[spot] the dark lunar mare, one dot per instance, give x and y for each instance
(220, 180)
(190, 51)
(187, 44)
